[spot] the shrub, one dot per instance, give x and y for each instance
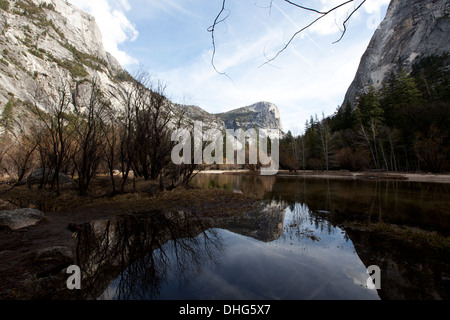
(4, 5)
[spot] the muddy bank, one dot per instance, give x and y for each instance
(370, 175)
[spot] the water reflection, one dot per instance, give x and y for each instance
(409, 270)
(279, 252)
(416, 204)
(134, 252)
(292, 248)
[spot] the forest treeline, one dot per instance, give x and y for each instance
(403, 126)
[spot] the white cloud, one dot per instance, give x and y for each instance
(116, 29)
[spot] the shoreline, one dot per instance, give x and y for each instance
(367, 175)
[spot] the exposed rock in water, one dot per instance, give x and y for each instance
(21, 218)
(410, 30)
(58, 255)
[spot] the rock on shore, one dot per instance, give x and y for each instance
(21, 218)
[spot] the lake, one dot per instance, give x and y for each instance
(295, 248)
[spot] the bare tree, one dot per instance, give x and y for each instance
(161, 144)
(182, 174)
(90, 111)
(121, 140)
(55, 134)
(21, 153)
(112, 146)
(153, 114)
(142, 138)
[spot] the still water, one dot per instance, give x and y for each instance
(310, 260)
(293, 248)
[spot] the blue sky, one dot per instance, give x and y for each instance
(170, 39)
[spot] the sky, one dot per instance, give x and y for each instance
(170, 40)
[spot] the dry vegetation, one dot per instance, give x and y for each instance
(141, 196)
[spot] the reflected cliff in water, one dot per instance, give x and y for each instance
(137, 252)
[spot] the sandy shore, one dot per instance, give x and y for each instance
(415, 177)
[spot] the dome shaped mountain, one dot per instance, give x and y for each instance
(264, 115)
(260, 115)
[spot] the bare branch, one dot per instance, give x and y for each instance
(305, 8)
(344, 24)
(322, 13)
(212, 29)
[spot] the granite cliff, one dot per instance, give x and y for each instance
(45, 43)
(412, 29)
(258, 115)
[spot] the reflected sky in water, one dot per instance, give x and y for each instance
(310, 260)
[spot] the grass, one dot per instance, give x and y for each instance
(4, 5)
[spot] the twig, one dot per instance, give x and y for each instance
(321, 14)
(211, 29)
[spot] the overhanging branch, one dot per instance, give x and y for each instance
(321, 14)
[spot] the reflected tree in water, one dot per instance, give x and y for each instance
(136, 253)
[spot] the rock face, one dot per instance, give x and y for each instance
(198, 114)
(46, 43)
(261, 115)
(411, 29)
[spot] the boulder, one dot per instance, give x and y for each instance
(37, 176)
(21, 218)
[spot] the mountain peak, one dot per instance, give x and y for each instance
(262, 114)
